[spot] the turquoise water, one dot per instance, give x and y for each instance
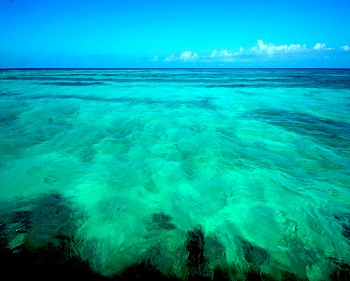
(197, 172)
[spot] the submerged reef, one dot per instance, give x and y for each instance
(345, 222)
(38, 239)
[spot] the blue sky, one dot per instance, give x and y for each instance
(174, 33)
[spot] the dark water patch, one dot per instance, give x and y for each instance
(258, 84)
(40, 219)
(21, 134)
(134, 77)
(219, 79)
(73, 83)
(56, 77)
(3, 236)
(221, 274)
(331, 132)
(87, 154)
(110, 206)
(50, 180)
(196, 261)
(227, 132)
(8, 117)
(205, 103)
(346, 231)
(163, 221)
(344, 219)
(86, 98)
(57, 256)
(237, 85)
(56, 207)
(215, 253)
(144, 270)
(254, 255)
(11, 109)
(52, 80)
(197, 79)
(37, 240)
(151, 267)
(68, 74)
(282, 275)
(340, 270)
(21, 219)
(18, 138)
(50, 262)
(154, 259)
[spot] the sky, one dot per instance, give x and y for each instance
(174, 33)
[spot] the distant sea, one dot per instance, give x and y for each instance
(185, 174)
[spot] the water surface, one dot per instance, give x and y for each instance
(232, 173)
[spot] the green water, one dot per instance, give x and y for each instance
(130, 163)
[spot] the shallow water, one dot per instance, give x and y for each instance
(198, 172)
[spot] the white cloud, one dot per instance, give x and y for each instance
(271, 49)
(241, 50)
(188, 56)
(291, 51)
(321, 47)
(155, 58)
(185, 56)
(345, 48)
(214, 53)
(225, 53)
(170, 58)
(222, 54)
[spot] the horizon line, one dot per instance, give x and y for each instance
(167, 68)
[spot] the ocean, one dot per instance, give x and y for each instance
(189, 174)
